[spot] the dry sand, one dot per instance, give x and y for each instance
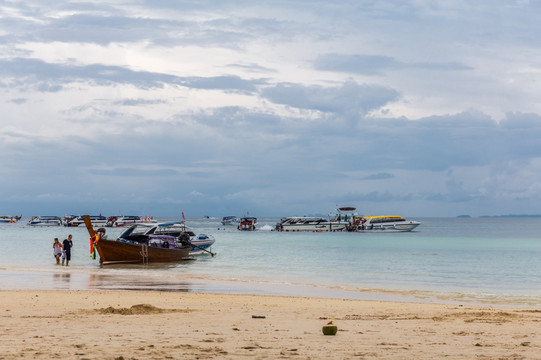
(179, 325)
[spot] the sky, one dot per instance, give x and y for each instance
(274, 108)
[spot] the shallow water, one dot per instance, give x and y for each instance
(478, 260)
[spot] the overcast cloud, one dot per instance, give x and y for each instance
(418, 108)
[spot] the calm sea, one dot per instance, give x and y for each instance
(451, 260)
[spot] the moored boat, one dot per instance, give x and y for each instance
(199, 243)
(386, 223)
(339, 220)
(67, 219)
(9, 219)
(307, 223)
(142, 251)
(127, 220)
(247, 223)
(146, 243)
(230, 220)
(45, 221)
(96, 220)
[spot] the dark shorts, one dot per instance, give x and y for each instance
(68, 255)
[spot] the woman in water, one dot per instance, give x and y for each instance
(57, 248)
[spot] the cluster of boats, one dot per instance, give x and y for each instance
(246, 223)
(343, 219)
(346, 219)
(148, 241)
(96, 220)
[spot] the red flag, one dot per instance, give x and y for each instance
(183, 218)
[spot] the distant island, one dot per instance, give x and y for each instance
(502, 216)
(511, 216)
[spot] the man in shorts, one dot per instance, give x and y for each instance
(68, 244)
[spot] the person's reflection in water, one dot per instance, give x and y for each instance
(62, 281)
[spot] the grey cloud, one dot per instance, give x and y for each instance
(104, 24)
(450, 197)
(252, 68)
(222, 83)
(379, 176)
(377, 64)
(49, 77)
(47, 86)
(461, 140)
(350, 99)
(360, 64)
(136, 102)
(130, 172)
(18, 101)
(376, 197)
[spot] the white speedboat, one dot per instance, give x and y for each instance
(387, 223)
(339, 220)
(230, 220)
(308, 223)
(96, 220)
(198, 243)
(128, 220)
(45, 221)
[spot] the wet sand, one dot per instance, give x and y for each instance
(96, 324)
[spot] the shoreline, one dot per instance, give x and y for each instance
(79, 279)
(110, 324)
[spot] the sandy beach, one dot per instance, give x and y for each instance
(49, 324)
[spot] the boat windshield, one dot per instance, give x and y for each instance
(139, 229)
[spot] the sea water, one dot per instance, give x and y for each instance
(452, 260)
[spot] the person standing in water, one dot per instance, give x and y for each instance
(67, 244)
(57, 250)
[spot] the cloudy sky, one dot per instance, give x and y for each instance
(418, 108)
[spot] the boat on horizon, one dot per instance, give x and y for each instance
(97, 220)
(230, 220)
(340, 220)
(386, 223)
(247, 223)
(9, 219)
(45, 221)
(127, 220)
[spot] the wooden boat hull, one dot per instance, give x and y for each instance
(120, 252)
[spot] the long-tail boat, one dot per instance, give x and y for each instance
(136, 248)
